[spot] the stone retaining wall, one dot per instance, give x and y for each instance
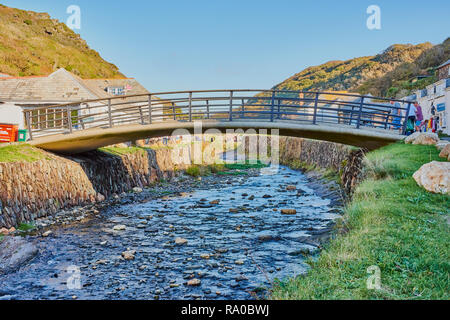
(34, 190)
(345, 160)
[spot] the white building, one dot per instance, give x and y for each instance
(435, 98)
(60, 87)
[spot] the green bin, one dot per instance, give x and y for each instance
(22, 136)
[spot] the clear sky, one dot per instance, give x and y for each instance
(208, 44)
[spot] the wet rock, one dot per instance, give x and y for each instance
(47, 233)
(180, 241)
(291, 188)
(239, 262)
(205, 256)
(119, 227)
(5, 232)
(129, 254)
(215, 202)
(288, 211)
(194, 283)
(14, 253)
(137, 190)
(267, 196)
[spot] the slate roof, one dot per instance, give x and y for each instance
(61, 87)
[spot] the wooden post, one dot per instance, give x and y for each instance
(150, 109)
(231, 105)
(243, 109)
(207, 110)
(316, 105)
(173, 111)
(358, 124)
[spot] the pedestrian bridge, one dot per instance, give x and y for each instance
(362, 121)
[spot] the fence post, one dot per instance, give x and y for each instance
(173, 111)
(141, 115)
(242, 109)
(316, 105)
(231, 105)
(110, 114)
(405, 124)
(279, 109)
(207, 109)
(358, 124)
(190, 106)
(69, 119)
(28, 120)
(150, 109)
(272, 107)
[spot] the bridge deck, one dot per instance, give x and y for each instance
(361, 121)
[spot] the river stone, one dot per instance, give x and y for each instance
(291, 188)
(194, 283)
(434, 177)
(119, 227)
(180, 241)
(289, 211)
(129, 254)
(14, 253)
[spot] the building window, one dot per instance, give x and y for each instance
(116, 91)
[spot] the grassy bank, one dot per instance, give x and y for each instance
(21, 153)
(391, 223)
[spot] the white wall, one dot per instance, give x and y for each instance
(12, 114)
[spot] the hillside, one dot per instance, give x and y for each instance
(385, 74)
(34, 44)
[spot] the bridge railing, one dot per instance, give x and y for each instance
(315, 108)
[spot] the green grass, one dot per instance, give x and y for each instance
(391, 223)
(245, 166)
(25, 227)
(21, 153)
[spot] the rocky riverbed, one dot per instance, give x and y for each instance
(219, 237)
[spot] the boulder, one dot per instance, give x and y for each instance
(14, 253)
(434, 177)
(423, 138)
(442, 144)
(445, 153)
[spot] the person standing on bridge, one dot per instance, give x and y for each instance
(395, 114)
(419, 117)
(411, 120)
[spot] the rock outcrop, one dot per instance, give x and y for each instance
(434, 177)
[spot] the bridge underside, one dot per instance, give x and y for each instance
(91, 139)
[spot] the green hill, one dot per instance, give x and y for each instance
(385, 74)
(32, 44)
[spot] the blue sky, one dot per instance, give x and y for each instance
(198, 44)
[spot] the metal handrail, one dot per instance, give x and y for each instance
(268, 105)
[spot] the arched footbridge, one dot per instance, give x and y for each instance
(362, 121)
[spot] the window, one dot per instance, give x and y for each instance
(117, 91)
